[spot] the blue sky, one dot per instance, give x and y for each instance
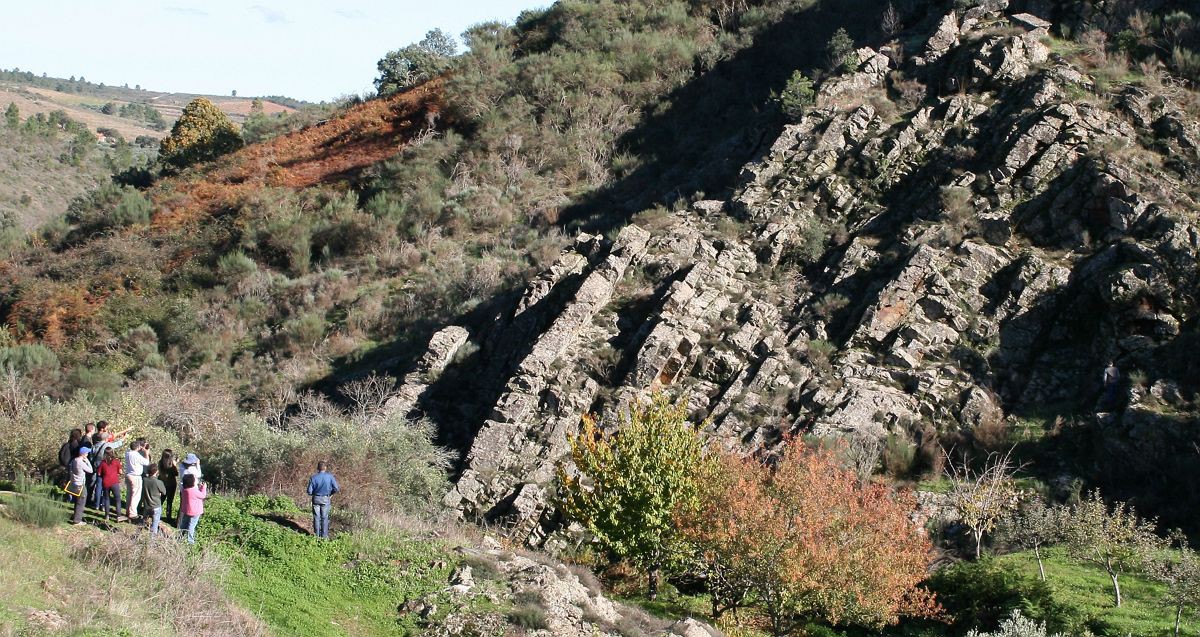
(307, 49)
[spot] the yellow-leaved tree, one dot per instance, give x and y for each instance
(201, 133)
(634, 481)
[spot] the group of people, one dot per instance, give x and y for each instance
(97, 475)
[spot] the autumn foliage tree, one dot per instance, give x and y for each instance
(202, 133)
(633, 481)
(808, 541)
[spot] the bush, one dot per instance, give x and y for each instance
(1016, 625)
(29, 506)
(984, 593)
(529, 617)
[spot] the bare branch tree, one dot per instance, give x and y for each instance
(1114, 539)
(368, 395)
(983, 496)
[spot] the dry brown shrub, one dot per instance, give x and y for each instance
(189, 409)
(187, 583)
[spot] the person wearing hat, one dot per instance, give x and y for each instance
(190, 466)
(80, 469)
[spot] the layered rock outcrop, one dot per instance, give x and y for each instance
(883, 268)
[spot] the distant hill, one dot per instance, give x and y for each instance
(84, 100)
(36, 185)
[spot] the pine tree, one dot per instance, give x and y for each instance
(12, 115)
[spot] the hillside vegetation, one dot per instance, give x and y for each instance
(910, 288)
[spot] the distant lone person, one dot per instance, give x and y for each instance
(321, 487)
(1112, 381)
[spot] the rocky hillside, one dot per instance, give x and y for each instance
(927, 255)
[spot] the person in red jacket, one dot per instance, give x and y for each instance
(110, 483)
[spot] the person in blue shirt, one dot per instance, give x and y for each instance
(321, 487)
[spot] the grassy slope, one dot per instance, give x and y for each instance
(350, 585)
(30, 166)
(40, 574)
(1088, 589)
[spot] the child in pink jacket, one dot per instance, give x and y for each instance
(191, 506)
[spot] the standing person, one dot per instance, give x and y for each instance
(321, 487)
(190, 466)
(169, 474)
(191, 506)
(1112, 382)
(80, 468)
(67, 453)
(89, 430)
(102, 440)
(135, 465)
(152, 493)
(110, 483)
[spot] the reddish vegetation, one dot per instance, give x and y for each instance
(323, 153)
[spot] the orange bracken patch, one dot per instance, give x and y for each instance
(325, 152)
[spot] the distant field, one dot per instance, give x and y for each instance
(39, 100)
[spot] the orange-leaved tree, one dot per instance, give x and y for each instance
(632, 482)
(809, 541)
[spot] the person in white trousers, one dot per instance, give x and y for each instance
(136, 461)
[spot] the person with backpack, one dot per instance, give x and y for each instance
(321, 487)
(67, 453)
(102, 441)
(136, 461)
(110, 483)
(168, 472)
(80, 468)
(191, 506)
(152, 494)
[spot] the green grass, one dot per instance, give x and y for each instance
(1088, 589)
(299, 585)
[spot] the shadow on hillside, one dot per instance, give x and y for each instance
(723, 118)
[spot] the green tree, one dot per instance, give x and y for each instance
(842, 56)
(1179, 571)
(634, 481)
(797, 96)
(201, 133)
(415, 63)
(12, 115)
(1115, 539)
(1033, 526)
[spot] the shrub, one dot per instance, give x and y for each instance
(529, 617)
(29, 506)
(899, 455)
(983, 593)
(1016, 625)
